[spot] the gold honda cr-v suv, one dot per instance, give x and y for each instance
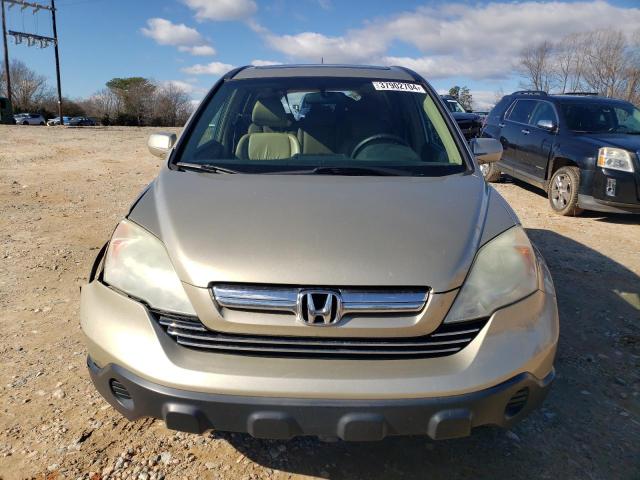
(320, 255)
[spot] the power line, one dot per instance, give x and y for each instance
(25, 4)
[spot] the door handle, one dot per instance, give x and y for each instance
(501, 125)
(525, 131)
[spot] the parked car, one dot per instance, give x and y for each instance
(469, 122)
(56, 121)
(6, 112)
(350, 275)
(581, 149)
(29, 119)
(82, 122)
(483, 114)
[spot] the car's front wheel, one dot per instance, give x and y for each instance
(563, 191)
(25, 123)
(490, 172)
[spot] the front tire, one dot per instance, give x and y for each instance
(25, 123)
(563, 191)
(490, 172)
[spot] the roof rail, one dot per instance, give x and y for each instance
(530, 92)
(586, 94)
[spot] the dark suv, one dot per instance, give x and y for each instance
(581, 148)
(470, 123)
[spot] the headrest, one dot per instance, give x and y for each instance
(269, 112)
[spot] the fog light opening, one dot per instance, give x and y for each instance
(611, 187)
(517, 403)
(121, 393)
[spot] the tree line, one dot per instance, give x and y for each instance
(606, 62)
(133, 101)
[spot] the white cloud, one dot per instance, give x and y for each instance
(213, 68)
(264, 63)
(325, 4)
(357, 46)
(222, 9)
(187, 39)
(199, 50)
(480, 42)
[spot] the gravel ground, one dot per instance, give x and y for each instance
(62, 192)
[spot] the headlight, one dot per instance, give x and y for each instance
(615, 159)
(504, 271)
(138, 264)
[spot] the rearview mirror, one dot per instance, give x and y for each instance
(486, 150)
(546, 125)
(160, 143)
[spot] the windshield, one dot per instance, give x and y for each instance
(338, 126)
(601, 117)
(454, 106)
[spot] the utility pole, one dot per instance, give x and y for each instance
(32, 39)
(6, 52)
(55, 45)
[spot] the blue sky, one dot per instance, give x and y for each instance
(191, 42)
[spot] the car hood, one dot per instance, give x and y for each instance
(322, 230)
(620, 140)
(460, 116)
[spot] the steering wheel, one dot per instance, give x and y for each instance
(374, 138)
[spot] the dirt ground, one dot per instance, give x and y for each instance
(61, 193)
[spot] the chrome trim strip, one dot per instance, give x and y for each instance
(319, 352)
(304, 342)
(256, 298)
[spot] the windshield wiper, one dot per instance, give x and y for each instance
(204, 167)
(349, 171)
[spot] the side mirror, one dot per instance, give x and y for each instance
(486, 150)
(160, 143)
(546, 125)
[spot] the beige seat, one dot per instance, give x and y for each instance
(266, 138)
(268, 115)
(267, 146)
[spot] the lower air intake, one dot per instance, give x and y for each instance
(517, 402)
(121, 393)
(448, 339)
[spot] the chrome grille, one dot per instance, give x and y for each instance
(446, 340)
(354, 301)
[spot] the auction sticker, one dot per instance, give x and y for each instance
(399, 87)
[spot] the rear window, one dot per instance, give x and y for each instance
(495, 115)
(521, 111)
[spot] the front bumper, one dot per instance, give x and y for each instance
(611, 191)
(351, 420)
(442, 397)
